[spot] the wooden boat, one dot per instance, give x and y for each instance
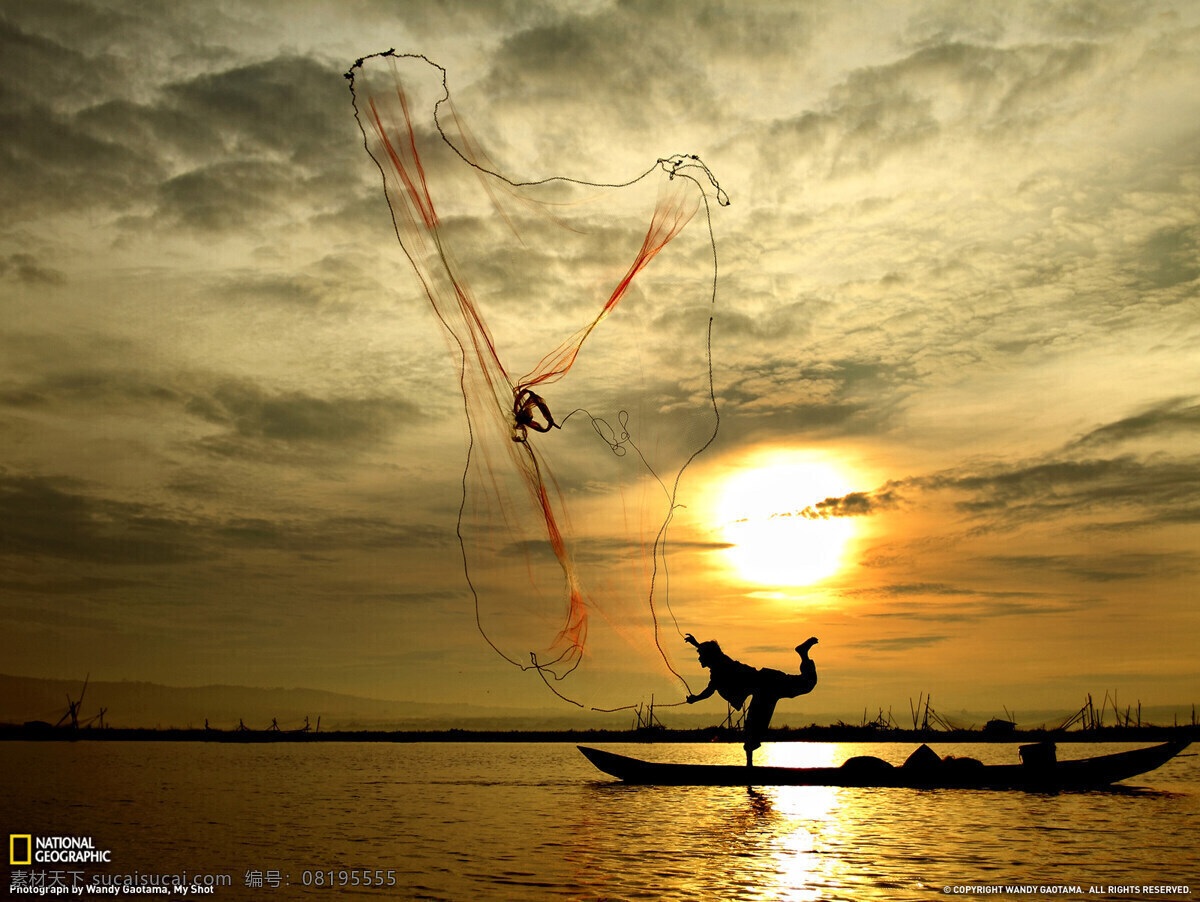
(1036, 772)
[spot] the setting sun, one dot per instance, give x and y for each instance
(762, 514)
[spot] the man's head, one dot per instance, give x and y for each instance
(709, 653)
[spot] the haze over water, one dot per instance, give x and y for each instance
(531, 821)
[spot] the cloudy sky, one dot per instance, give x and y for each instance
(956, 345)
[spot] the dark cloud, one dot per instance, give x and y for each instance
(1169, 257)
(809, 420)
(953, 23)
(50, 613)
(856, 504)
(944, 603)
(255, 422)
(293, 107)
(896, 590)
(443, 599)
(58, 585)
(42, 70)
(226, 196)
(1183, 515)
(48, 164)
(328, 534)
(25, 268)
(1158, 489)
(17, 396)
(1092, 18)
(783, 321)
(842, 397)
(898, 643)
(50, 161)
(215, 151)
(1115, 567)
(337, 284)
(636, 68)
(173, 132)
(265, 141)
(940, 92)
(58, 518)
(296, 291)
(603, 550)
(251, 413)
(1052, 488)
(862, 133)
(52, 517)
(546, 64)
(1173, 416)
(95, 387)
(95, 29)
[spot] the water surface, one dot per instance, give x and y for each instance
(481, 821)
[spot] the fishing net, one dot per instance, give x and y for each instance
(579, 315)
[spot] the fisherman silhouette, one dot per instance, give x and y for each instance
(735, 682)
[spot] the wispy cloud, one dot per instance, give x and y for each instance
(898, 644)
(60, 519)
(1170, 417)
(967, 606)
(856, 504)
(55, 518)
(250, 413)
(1104, 567)
(26, 268)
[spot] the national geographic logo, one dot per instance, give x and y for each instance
(24, 848)
(20, 848)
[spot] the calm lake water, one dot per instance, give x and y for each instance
(477, 821)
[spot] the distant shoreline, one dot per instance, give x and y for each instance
(837, 733)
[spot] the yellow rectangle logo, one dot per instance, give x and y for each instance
(20, 848)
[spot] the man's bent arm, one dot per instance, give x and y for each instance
(708, 691)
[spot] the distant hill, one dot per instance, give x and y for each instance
(141, 704)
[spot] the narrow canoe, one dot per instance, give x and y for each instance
(1084, 773)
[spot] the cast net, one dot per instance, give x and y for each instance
(579, 315)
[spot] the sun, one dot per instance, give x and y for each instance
(761, 515)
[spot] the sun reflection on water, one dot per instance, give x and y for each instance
(803, 818)
(776, 842)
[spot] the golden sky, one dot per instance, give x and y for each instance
(955, 346)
